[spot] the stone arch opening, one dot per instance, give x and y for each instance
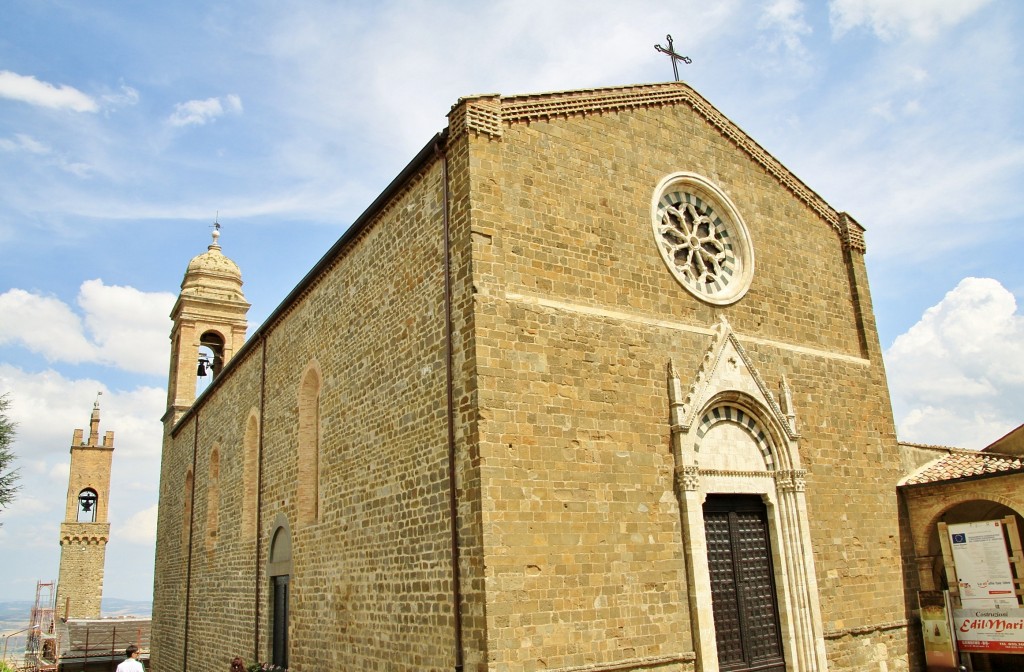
(966, 511)
(88, 504)
(211, 350)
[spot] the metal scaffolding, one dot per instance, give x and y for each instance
(41, 643)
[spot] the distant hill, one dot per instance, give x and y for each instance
(113, 607)
(15, 615)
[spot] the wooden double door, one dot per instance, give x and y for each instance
(743, 593)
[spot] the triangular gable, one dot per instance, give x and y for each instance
(488, 115)
(727, 368)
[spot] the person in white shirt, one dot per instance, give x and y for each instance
(131, 663)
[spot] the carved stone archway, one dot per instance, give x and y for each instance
(730, 436)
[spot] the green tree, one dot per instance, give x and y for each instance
(8, 476)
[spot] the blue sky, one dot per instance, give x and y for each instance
(126, 127)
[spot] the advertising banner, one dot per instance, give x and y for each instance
(990, 630)
(939, 652)
(982, 565)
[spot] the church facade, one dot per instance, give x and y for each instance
(593, 385)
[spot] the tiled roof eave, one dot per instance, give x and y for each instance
(938, 480)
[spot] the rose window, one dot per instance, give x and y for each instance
(702, 239)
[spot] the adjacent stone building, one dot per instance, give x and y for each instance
(947, 486)
(593, 385)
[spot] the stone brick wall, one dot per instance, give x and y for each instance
(83, 549)
(372, 576)
(576, 319)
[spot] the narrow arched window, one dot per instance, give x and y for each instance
(88, 503)
(250, 475)
(186, 509)
(309, 447)
(213, 500)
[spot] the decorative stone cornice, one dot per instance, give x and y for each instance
(489, 114)
(688, 478)
(86, 539)
(477, 114)
(866, 629)
(791, 480)
(736, 474)
(852, 232)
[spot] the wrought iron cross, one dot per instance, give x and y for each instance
(671, 53)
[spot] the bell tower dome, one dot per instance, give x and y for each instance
(209, 324)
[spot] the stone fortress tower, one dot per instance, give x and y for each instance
(85, 530)
(209, 313)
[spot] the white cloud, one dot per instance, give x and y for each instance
(45, 325)
(199, 112)
(131, 327)
(48, 406)
(126, 96)
(541, 46)
(785, 23)
(139, 528)
(888, 19)
(60, 472)
(957, 376)
(122, 327)
(30, 90)
(23, 143)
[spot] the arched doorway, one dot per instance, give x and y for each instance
(741, 490)
(279, 571)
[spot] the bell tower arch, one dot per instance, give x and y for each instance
(209, 325)
(85, 530)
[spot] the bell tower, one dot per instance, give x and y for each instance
(209, 325)
(85, 530)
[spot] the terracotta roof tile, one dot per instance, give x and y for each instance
(965, 464)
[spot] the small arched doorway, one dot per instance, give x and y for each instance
(279, 570)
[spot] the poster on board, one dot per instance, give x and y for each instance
(982, 565)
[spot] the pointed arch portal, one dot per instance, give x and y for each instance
(741, 496)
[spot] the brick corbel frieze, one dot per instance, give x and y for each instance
(488, 114)
(89, 539)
